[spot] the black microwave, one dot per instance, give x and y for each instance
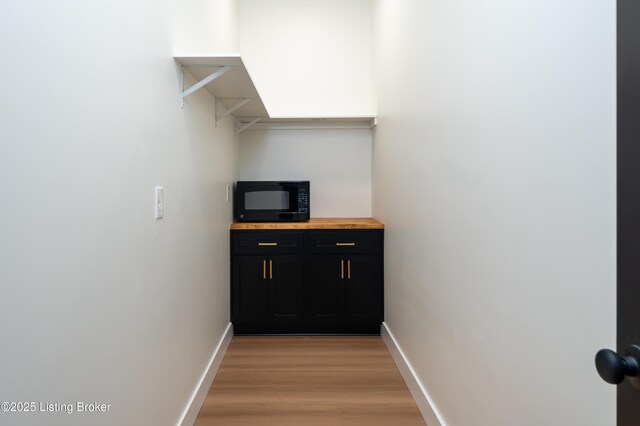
(271, 201)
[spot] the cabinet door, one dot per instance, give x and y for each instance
(325, 293)
(363, 299)
(250, 289)
(285, 286)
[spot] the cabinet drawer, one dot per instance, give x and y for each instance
(266, 242)
(348, 241)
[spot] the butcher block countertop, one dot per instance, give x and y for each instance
(317, 223)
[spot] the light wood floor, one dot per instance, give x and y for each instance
(308, 380)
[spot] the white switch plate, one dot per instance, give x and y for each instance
(159, 192)
(228, 189)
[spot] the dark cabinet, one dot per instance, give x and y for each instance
(249, 292)
(286, 276)
(325, 290)
(267, 276)
(344, 289)
(267, 289)
(307, 281)
(363, 290)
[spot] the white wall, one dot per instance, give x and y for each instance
(205, 26)
(497, 120)
(337, 162)
(309, 57)
(100, 302)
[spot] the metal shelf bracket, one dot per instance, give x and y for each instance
(241, 102)
(244, 127)
(184, 93)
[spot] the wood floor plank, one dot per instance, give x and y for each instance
(308, 380)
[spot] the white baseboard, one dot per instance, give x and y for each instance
(200, 393)
(425, 403)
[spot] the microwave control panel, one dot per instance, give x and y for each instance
(303, 201)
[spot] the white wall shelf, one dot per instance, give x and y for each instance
(227, 79)
(311, 123)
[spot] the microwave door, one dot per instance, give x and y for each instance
(276, 200)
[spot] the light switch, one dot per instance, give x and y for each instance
(159, 191)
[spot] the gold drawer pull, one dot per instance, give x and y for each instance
(268, 244)
(342, 269)
(270, 269)
(345, 244)
(264, 269)
(348, 269)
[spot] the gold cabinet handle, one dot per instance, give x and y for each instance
(349, 269)
(345, 244)
(342, 269)
(270, 269)
(268, 244)
(264, 269)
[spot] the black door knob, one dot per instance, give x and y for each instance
(613, 368)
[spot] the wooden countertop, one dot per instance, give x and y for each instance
(314, 223)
